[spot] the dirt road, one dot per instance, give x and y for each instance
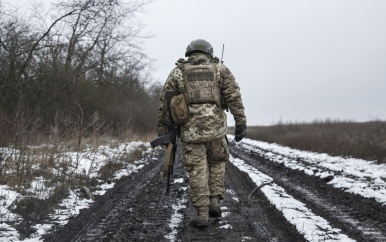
(137, 208)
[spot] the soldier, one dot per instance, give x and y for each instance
(208, 88)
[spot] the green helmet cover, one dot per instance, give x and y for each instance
(199, 45)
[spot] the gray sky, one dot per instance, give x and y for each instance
(296, 60)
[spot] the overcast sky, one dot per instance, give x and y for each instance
(297, 60)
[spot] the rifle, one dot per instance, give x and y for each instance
(170, 140)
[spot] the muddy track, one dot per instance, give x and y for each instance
(243, 220)
(137, 209)
(360, 218)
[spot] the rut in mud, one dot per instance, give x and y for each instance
(137, 208)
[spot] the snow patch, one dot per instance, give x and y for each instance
(176, 218)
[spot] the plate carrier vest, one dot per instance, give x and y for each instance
(202, 83)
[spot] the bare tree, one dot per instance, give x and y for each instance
(87, 55)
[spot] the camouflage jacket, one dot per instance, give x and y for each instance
(207, 121)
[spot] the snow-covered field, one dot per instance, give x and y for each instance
(365, 178)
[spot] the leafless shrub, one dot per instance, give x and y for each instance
(112, 165)
(342, 138)
(134, 155)
(107, 171)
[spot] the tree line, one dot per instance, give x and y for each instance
(80, 68)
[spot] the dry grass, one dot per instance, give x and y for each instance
(107, 171)
(339, 138)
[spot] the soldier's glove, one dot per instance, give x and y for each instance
(240, 132)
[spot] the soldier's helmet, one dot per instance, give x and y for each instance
(199, 46)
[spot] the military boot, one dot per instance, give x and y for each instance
(201, 220)
(214, 206)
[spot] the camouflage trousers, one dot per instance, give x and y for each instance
(205, 164)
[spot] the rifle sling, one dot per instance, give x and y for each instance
(168, 157)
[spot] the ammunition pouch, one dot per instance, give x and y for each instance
(179, 109)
